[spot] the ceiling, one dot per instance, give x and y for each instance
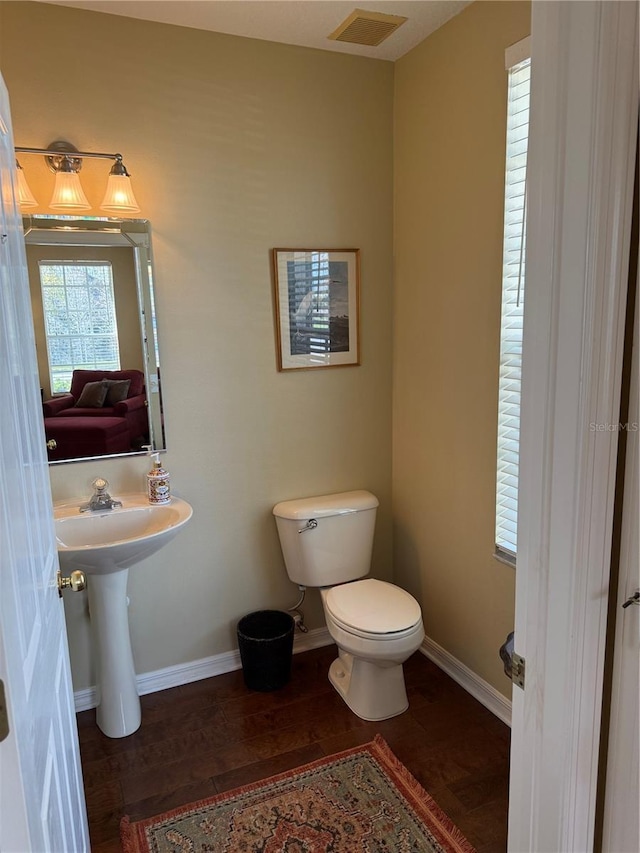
(301, 22)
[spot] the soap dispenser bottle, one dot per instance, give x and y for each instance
(158, 487)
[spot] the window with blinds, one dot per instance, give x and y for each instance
(79, 318)
(513, 279)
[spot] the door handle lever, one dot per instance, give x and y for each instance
(633, 599)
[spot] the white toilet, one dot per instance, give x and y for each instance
(327, 542)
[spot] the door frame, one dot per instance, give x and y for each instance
(621, 820)
(581, 157)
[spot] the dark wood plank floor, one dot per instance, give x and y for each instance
(210, 736)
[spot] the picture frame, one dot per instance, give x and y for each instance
(317, 308)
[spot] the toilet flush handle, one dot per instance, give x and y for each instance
(310, 525)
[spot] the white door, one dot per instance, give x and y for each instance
(41, 795)
(584, 112)
(621, 832)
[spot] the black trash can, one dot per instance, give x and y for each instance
(265, 640)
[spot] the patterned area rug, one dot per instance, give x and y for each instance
(362, 800)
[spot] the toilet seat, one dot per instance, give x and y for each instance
(373, 608)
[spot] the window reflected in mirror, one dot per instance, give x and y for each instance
(79, 313)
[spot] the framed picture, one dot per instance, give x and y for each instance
(317, 295)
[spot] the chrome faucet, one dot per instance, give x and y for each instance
(101, 499)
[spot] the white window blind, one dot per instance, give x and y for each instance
(79, 318)
(513, 279)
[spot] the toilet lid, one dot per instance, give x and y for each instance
(373, 606)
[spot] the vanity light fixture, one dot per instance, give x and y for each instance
(25, 196)
(119, 196)
(66, 161)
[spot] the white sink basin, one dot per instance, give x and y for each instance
(110, 540)
(104, 544)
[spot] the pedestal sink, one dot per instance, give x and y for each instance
(105, 544)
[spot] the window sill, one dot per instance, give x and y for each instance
(503, 557)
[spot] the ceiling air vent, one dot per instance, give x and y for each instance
(368, 28)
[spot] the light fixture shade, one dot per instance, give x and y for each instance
(68, 193)
(25, 196)
(119, 197)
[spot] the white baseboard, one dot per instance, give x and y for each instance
(466, 678)
(185, 673)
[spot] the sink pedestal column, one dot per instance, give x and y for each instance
(118, 711)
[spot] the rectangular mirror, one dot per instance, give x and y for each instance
(91, 282)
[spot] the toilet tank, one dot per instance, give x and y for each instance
(338, 548)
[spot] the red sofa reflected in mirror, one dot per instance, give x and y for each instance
(109, 416)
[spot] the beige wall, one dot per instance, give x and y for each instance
(235, 146)
(450, 103)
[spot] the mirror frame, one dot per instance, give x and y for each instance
(60, 231)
